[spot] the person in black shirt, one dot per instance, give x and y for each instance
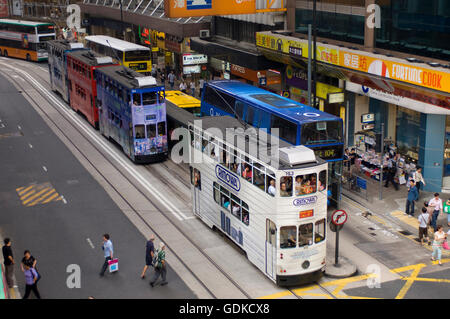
(149, 253)
(28, 260)
(8, 260)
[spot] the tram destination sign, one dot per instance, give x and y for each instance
(228, 178)
(305, 201)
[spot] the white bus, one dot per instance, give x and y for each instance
(277, 213)
(131, 55)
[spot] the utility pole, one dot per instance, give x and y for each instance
(309, 64)
(382, 158)
(121, 20)
(314, 51)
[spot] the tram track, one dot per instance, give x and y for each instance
(62, 131)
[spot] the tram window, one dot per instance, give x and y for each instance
(247, 172)
(137, 99)
(204, 145)
(151, 130)
(161, 128)
(245, 214)
(270, 183)
(287, 129)
(197, 179)
(305, 235)
(192, 174)
(322, 183)
(224, 198)
(288, 237)
(236, 206)
(139, 131)
(149, 98)
(286, 186)
(216, 193)
(319, 233)
(259, 177)
(305, 184)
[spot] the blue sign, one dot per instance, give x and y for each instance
(362, 183)
(305, 201)
(262, 80)
(199, 4)
(228, 178)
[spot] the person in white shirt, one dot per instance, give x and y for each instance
(424, 218)
(435, 202)
(272, 190)
(201, 83)
(192, 86)
(183, 87)
(420, 182)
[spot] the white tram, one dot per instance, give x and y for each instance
(275, 212)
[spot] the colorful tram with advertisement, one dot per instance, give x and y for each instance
(132, 112)
(81, 66)
(273, 206)
(298, 124)
(25, 39)
(57, 65)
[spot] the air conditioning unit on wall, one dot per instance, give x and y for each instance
(204, 34)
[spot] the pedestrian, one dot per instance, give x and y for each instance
(192, 86)
(31, 277)
(439, 238)
(108, 251)
(201, 83)
(183, 86)
(8, 261)
(163, 79)
(160, 266)
(424, 220)
(436, 203)
(391, 172)
(447, 211)
(171, 78)
(420, 181)
(29, 260)
(412, 196)
(149, 254)
(347, 159)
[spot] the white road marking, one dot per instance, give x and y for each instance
(18, 126)
(107, 148)
(31, 146)
(90, 243)
(45, 168)
(63, 199)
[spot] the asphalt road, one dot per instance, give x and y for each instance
(58, 232)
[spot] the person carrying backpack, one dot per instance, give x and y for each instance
(160, 265)
(31, 279)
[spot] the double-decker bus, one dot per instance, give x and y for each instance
(81, 66)
(25, 39)
(132, 112)
(133, 56)
(273, 206)
(57, 65)
(184, 101)
(298, 124)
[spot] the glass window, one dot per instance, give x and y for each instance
(275, 100)
(286, 186)
(136, 99)
(305, 235)
(259, 177)
(322, 183)
(219, 99)
(245, 214)
(224, 198)
(151, 130)
(247, 172)
(197, 179)
(192, 175)
(321, 132)
(287, 130)
(239, 109)
(305, 184)
(250, 114)
(216, 193)
(137, 55)
(235, 208)
(161, 128)
(139, 131)
(149, 98)
(288, 237)
(319, 233)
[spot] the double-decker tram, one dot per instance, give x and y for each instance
(25, 39)
(81, 66)
(298, 124)
(57, 65)
(131, 55)
(271, 201)
(132, 112)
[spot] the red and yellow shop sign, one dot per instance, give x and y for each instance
(420, 76)
(197, 8)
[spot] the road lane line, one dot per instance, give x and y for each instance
(90, 243)
(45, 168)
(31, 146)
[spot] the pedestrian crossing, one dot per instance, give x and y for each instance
(37, 194)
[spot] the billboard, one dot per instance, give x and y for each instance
(199, 8)
(4, 12)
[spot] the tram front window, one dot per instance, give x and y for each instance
(137, 99)
(139, 131)
(149, 98)
(286, 186)
(288, 237)
(319, 231)
(305, 235)
(322, 184)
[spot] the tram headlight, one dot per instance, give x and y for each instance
(305, 264)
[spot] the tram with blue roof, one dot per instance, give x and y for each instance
(132, 112)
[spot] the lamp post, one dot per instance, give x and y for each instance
(314, 52)
(121, 20)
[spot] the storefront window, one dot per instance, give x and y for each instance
(408, 129)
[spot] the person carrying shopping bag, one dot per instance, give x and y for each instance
(439, 238)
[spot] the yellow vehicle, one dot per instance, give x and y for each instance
(185, 101)
(25, 39)
(131, 55)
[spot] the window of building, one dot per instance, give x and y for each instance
(305, 235)
(288, 237)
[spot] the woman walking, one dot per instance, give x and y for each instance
(31, 278)
(29, 260)
(439, 237)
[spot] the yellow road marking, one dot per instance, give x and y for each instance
(27, 194)
(21, 192)
(42, 197)
(277, 295)
(18, 189)
(50, 198)
(410, 280)
(430, 279)
(36, 195)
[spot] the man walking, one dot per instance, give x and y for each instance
(436, 203)
(200, 85)
(149, 253)
(107, 247)
(31, 278)
(160, 267)
(392, 170)
(8, 261)
(412, 196)
(171, 78)
(424, 219)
